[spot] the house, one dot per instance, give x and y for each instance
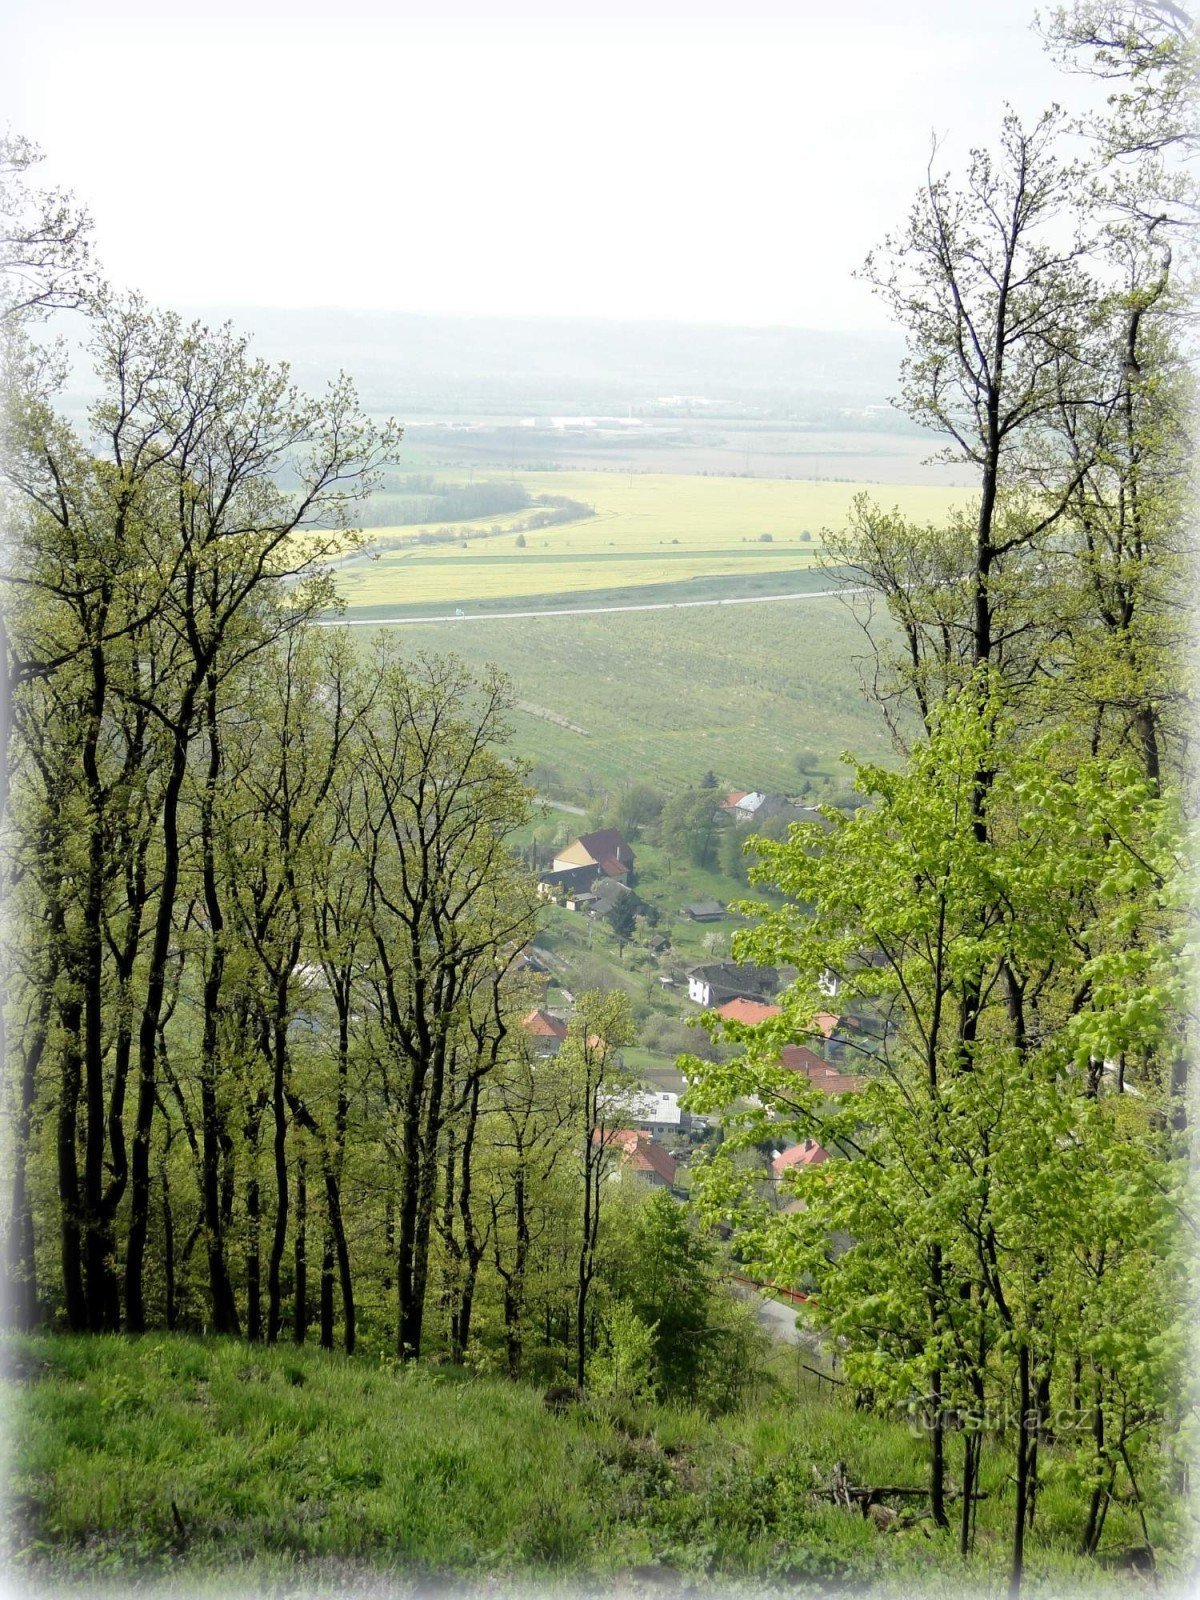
(656, 1110)
(546, 1031)
(704, 911)
(799, 1058)
(825, 1023)
(758, 807)
(714, 982)
(732, 799)
(800, 1157)
(566, 880)
(607, 851)
(639, 1153)
(606, 895)
(748, 1012)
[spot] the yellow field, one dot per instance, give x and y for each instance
(646, 530)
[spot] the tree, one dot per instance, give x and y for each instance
(622, 919)
(45, 240)
(601, 1027)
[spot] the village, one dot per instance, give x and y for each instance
(609, 904)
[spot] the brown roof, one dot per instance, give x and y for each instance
(826, 1021)
(640, 1153)
(799, 1058)
(732, 798)
(808, 1154)
(748, 1011)
(606, 844)
(543, 1026)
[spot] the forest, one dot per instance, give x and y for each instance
(267, 934)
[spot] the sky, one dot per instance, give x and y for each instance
(720, 163)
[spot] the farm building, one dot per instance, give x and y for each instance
(607, 851)
(704, 911)
(606, 894)
(567, 880)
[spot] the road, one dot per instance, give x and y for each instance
(584, 611)
(778, 1320)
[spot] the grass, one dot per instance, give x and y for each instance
(645, 527)
(179, 1459)
(662, 697)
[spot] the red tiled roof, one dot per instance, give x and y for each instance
(732, 798)
(799, 1058)
(749, 1011)
(826, 1022)
(808, 1154)
(543, 1026)
(640, 1153)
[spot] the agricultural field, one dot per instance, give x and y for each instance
(660, 696)
(664, 696)
(644, 530)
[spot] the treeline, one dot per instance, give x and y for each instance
(421, 499)
(263, 956)
(1016, 1217)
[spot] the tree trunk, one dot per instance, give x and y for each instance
(327, 1290)
(156, 971)
(1021, 1509)
(21, 1264)
(300, 1296)
(224, 1305)
(279, 1112)
(68, 1171)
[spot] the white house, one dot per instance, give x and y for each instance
(654, 1109)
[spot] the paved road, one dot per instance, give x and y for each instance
(778, 1320)
(584, 611)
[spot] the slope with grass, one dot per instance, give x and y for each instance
(224, 1466)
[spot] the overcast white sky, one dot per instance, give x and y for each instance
(733, 165)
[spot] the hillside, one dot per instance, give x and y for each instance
(226, 1465)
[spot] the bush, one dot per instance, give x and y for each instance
(625, 1370)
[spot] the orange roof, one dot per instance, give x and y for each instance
(732, 799)
(826, 1022)
(799, 1058)
(543, 1026)
(808, 1154)
(748, 1011)
(639, 1152)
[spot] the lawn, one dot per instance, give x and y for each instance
(646, 529)
(226, 1467)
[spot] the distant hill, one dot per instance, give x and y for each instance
(505, 365)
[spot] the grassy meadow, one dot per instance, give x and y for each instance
(647, 529)
(212, 1466)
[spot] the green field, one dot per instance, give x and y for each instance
(663, 696)
(647, 529)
